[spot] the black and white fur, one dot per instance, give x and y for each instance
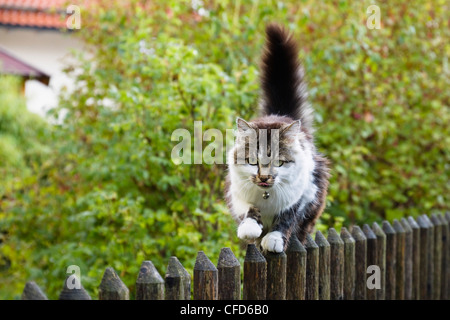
(299, 186)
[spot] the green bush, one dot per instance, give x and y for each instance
(22, 134)
(109, 194)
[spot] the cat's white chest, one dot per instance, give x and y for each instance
(294, 185)
(269, 207)
(280, 199)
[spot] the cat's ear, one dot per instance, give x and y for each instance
(293, 128)
(242, 125)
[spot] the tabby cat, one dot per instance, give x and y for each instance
(277, 181)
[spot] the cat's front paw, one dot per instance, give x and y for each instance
(273, 242)
(249, 229)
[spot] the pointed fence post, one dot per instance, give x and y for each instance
(324, 266)
(69, 292)
(177, 281)
(33, 292)
(349, 264)
(255, 274)
(312, 269)
(276, 276)
(425, 240)
(400, 261)
(295, 270)
(361, 263)
(447, 272)
(336, 265)
(381, 258)
(415, 258)
(372, 259)
(391, 258)
(445, 257)
(408, 258)
(229, 270)
(430, 259)
(149, 283)
(437, 256)
(112, 287)
(206, 278)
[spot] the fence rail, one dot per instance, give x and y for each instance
(408, 259)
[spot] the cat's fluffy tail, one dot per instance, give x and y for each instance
(282, 80)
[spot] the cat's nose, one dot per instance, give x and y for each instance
(263, 178)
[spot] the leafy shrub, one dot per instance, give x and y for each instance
(22, 134)
(109, 193)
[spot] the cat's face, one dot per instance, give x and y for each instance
(267, 152)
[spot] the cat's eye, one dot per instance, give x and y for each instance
(277, 163)
(252, 161)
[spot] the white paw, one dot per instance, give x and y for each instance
(249, 229)
(273, 242)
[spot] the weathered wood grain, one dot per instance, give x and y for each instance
(400, 261)
(73, 293)
(447, 272)
(255, 274)
(437, 256)
(349, 264)
(430, 259)
(229, 270)
(32, 291)
(408, 258)
(206, 278)
(445, 294)
(324, 266)
(360, 263)
(312, 269)
(177, 281)
(425, 240)
(112, 287)
(336, 265)
(149, 283)
(391, 259)
(276, 275)
(372, 257)
(295, 270)
(416, 273)
(381, 258)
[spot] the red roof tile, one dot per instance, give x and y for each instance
(33, 4)
(33, 13)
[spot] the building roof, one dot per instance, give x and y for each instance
(12, 65)
(48, 14)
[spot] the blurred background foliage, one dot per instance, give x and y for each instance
(99, 189)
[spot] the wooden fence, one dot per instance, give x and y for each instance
(408, 259)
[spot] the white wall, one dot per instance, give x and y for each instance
(48, 51)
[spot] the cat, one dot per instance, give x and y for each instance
(277, 181)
